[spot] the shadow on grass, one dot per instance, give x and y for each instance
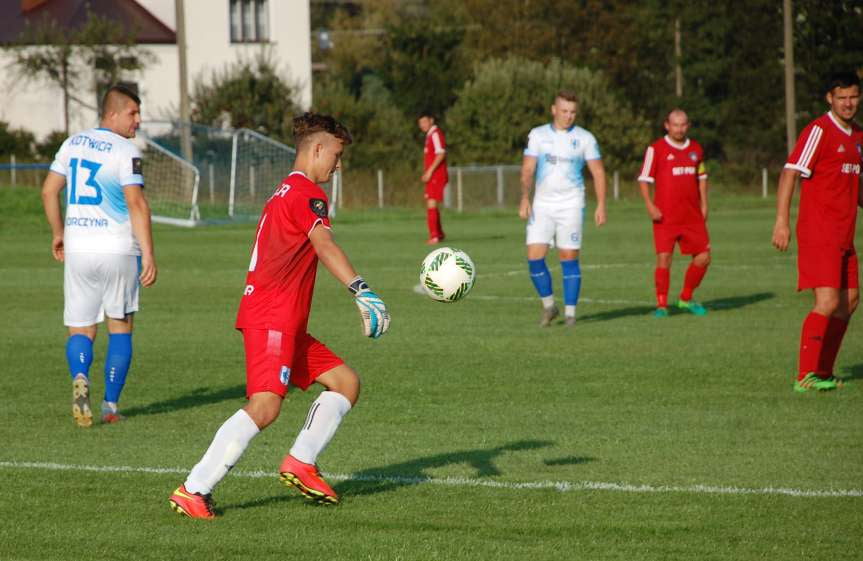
(413, 472)
(196, 398)
(717, 305)
(854, 372)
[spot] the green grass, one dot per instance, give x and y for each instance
(461, 403)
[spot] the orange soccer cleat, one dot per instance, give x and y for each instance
(193, 505)
(307, 479)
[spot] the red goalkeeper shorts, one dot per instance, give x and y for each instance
(275, 359)
(434, 190)
(826, 266)
(693, 238)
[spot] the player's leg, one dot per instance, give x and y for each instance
(664, 238)
(849, 298)
(694, 241)
(316, 363)
(120, 302)
(267, 375)
(818, 269)
(540, 233)
(568, 234)
(81, 314)
(433, 197)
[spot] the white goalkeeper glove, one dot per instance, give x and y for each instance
(373, 311)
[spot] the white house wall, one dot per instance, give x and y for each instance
(37, 106)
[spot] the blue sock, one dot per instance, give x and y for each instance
(571, 281)
(79, 354)
(117, 364)
(541, 276)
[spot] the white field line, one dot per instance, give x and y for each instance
(562, 486)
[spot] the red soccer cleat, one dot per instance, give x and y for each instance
(307, 479)
(193, 505)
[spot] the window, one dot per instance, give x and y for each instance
(250, 21)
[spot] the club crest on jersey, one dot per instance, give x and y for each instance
(319, 207)
(285, 375)
(693, 156)
(841, 148)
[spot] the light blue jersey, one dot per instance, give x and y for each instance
(560, 159)
(97, 163)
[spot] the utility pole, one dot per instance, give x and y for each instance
(185, 118)
(790, 110)
(678, 54)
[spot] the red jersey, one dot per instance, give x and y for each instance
(284, 264)
(435, 144)
(828, 157)
(675, 169)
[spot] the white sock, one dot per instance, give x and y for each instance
(323, 419)
(547, 301)
(228, 445)
(569, 311)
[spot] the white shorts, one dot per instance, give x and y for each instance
(556, 226)
(99, 284)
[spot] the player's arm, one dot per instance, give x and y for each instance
(528, 171)
(373, 312)
(597, 171)
(702, 191)
(53, 184)
(439, 157)
(781, 228)
(652, 209)
(139, 215)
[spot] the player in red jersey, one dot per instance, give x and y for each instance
(675, 165)
(827, 156)
(292, 235)
(435, 174)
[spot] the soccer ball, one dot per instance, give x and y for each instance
(447, 274)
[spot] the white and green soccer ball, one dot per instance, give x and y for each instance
(447, 274)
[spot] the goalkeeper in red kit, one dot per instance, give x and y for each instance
(674, 164)
(293, 234)
(827, 157)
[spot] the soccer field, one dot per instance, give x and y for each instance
(478, 435)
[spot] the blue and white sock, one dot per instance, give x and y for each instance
(541, 278)
(571, 285)
(79, 355)
(117, 363)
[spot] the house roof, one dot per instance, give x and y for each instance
(72, 14)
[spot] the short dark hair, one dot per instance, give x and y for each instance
(113, 91)
(426, 113)
(843, 80)
(310, 123)
(566, 95)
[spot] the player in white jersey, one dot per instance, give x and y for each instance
(105, 242)
(554, 159)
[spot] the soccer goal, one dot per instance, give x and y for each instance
(258, 164)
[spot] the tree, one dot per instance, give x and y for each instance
(17, 142)
(63, 56)
(507, 97)
(250, 94)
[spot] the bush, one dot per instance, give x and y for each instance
(507, 97)
(47, 149)
(15, 141)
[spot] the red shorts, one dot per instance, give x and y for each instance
(825, 266)
(693, 238)
(434, 190)
(275, 359)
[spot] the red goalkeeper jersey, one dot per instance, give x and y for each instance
(828, 157)
(435, 144)
(282, 270)
(675, 169)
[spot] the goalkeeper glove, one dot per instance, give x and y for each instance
(373, 311)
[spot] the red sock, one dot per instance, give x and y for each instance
(830, 347)
(811, 342)
(432, 220)
(662, 278)
(691, 280)
(438, 227)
